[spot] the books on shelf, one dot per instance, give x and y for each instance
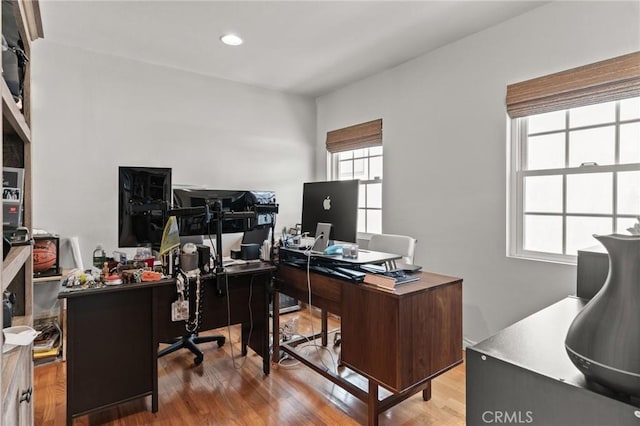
(47, 344)
(12, 196)
(389, 281)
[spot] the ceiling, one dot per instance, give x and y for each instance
(303, 47)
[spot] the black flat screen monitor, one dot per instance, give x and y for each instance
(144, 194)
(334, 202)
(230, 201)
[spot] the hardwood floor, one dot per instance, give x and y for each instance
(228, 389)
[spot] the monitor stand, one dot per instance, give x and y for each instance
(322, 235)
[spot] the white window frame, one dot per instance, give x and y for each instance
(516, 177)
(333, 161)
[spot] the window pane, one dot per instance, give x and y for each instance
(629, 193)
(624, 223)
(543, 233)
(345, 170)
(630, 109)
(362, 196)
(359, 153)
(374, 195)
(580, 232)
(545, 152)
(362, 222)
(376, 150)
(360, 169)
(375, 168)
(346, 155)
(592, 114)
(374, 221)
(630, 143)
(590, 193)
(592, 145)
(546, 122)
(543, 194)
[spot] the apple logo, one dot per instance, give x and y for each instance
(327, 203)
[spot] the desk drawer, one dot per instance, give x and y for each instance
(327, 291)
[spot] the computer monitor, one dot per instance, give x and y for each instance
(334, 202)
(144, 194)
(256, 236)
(203, 200)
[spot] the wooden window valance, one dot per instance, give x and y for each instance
(609, 80)
(360, 136)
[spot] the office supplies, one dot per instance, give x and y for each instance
(389, 280)
(333, 250)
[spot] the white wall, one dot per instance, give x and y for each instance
(445, 148)
(93, 113)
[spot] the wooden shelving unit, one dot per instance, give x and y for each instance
(17, 268)
(15, 260)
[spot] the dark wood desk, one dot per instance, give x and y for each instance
(398, 340)
(113, 334)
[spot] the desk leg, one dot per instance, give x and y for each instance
(266, 359)
(426, 392)
(244, 339)
(323, 317)
(154, 349)
(372, 404)
(276, 327)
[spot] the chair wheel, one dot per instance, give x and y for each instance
(198, 360)
(221, 342)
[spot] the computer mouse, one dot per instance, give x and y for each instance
(333, 250)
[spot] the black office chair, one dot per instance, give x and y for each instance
(191, 340)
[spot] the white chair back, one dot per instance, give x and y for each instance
(402, 245)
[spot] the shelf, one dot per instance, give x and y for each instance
(47, 279)
(11, 266)
(13, 115)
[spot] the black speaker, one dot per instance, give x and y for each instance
(204, 256)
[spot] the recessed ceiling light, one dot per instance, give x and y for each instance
(231, 40)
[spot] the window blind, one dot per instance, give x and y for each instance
(359, 136)
(604, 81)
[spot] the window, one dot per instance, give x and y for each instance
(574, 168)
(364, 164)
(355, 152)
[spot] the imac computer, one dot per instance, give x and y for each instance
(144, 194)
(334, 203)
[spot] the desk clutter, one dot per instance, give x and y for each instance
(116, 270)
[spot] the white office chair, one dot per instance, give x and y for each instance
(402, 245)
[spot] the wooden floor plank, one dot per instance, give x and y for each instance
(233, 391)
